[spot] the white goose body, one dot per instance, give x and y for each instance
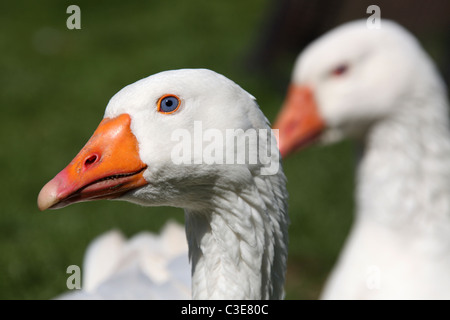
(236, 216)
(380, 88)
(400, 242)
(147, 266)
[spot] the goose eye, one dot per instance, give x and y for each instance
(340, 70)
(168, 103)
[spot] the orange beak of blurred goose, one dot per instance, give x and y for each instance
(299, 120)
(107, 167)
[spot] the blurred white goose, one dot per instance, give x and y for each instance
(380, 87)
(236, 214)
(148, 266)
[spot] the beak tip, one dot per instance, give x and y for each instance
(47, 196)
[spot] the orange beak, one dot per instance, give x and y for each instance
(299, 120)
(107, 167)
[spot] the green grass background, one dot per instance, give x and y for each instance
(54, 86)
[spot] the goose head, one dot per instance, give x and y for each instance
(168, 140)
(348, 80)
(131, 154)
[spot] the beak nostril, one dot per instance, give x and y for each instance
(290, 127)
(90, 160)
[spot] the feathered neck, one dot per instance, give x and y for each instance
(238, 247)
(404, 172)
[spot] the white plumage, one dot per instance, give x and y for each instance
(236, 216)
(380, 88)
(147, 266)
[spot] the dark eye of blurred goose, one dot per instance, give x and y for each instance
(340, 70)
(168, 103)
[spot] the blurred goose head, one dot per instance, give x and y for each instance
(350, 79)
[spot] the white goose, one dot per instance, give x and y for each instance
(236, 215)
(148, 266)
(380, 88)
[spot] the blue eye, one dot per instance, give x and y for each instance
(168, 103)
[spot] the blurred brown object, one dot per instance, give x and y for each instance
(290, 25)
